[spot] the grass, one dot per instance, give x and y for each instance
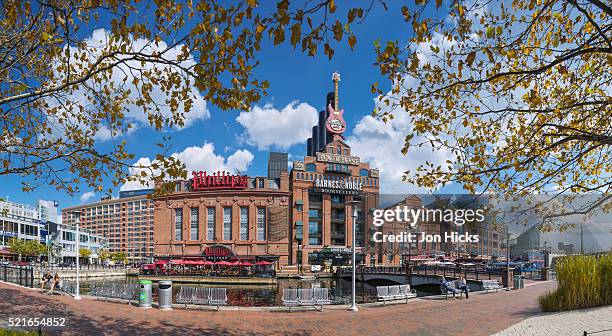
(584, 282)
(7, 332)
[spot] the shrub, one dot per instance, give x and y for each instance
(583, 282)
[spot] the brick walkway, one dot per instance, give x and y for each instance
(482, 314)
(597, 321)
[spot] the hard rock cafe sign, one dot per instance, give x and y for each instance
(219, 180)
(335, 122)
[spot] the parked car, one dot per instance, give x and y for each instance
(5, 263)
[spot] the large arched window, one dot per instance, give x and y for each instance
(363, 172)
(311, 167)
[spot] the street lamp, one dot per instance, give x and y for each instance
(77, 295)
(353, 204)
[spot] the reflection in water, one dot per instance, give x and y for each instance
(271, 295)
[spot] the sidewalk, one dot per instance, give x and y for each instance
(595, 320)
(482, 314)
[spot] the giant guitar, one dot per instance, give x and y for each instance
(335, 123)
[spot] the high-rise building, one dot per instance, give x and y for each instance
(126, 224)
(277, 163)
(47, 210)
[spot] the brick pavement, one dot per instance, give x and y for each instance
(597, 321)
(482, 314)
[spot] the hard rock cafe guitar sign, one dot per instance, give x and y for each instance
(335, 123)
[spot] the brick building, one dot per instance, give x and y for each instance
(126, 223)
(220, 215)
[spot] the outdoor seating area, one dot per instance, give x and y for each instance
(397, 292)
(201, 296)
(453, 288)
(223, 268)
(489, 285)
(293, 297)
(118, 291)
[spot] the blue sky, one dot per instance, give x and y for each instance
(296, 80)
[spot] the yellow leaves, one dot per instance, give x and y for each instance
(470, 58)
(337, 29)
(296, 33)
(352, 40)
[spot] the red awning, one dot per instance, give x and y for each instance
(245, 263)
(263, 263)
(177, 261)
(161, 262)
(223, 263)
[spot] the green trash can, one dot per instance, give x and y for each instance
(517, 281)
(145, 294)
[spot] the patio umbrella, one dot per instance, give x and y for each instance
(263, 263)
(177, 261)
(235, 263)
(208, 263)
(161, 262)
(223, 263)
(245, 263)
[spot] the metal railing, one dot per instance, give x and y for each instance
(451, 272)
(21, 275)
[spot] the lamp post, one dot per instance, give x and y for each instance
(77, 295)
(353, 204)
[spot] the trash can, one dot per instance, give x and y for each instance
(145, 294)
(517, 281)
(522, 282)
(165, 295)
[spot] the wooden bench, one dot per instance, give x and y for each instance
(397, 292)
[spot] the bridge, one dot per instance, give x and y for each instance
(419, 275)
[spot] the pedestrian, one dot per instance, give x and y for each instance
(464, 287)
(57, 283)
(446, 287)
(44, 280)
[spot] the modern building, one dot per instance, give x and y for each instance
(61, 241)
(530, 240)
(277, 163)
(126, 224)
(18, 221)
(218, 215)
(47, 210)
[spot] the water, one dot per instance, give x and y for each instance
(271, 295)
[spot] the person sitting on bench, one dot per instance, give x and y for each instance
(444, 283)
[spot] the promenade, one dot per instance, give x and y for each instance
(482, 314)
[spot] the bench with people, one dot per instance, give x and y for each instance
(453, 287)
(397, 292)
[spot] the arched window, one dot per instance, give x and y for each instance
(311, 167)
(363, 172)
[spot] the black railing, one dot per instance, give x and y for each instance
(21, 275)
(469, 273)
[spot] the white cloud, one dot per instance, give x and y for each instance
(122, 77)
(381, 143)
(267, 126)
(195, 159)
(87, 196)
